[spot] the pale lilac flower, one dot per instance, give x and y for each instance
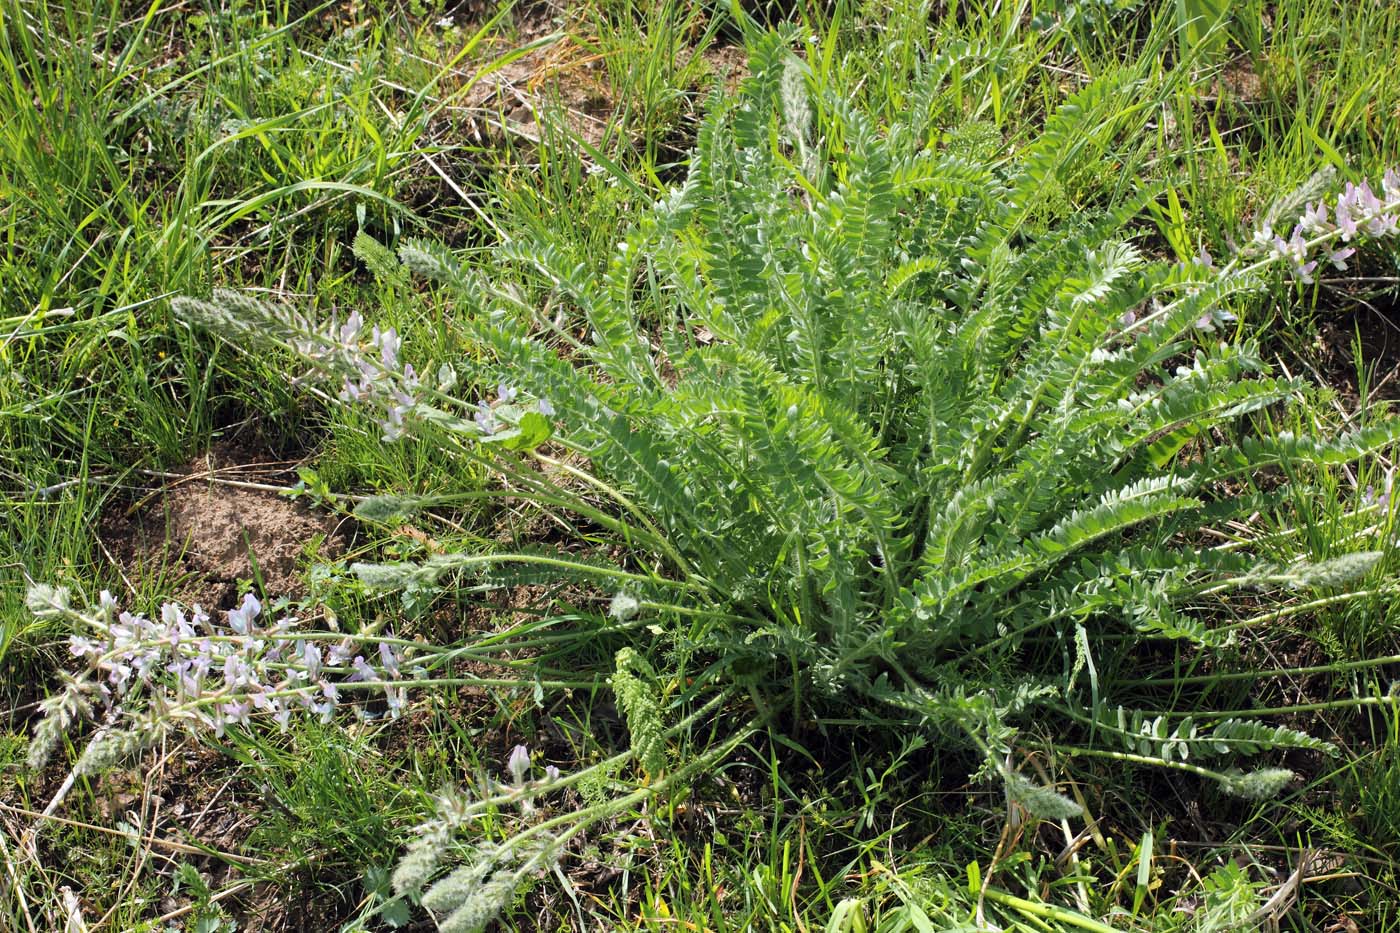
(119, 675)
(311, 660)
(518, 764)
(367, 373)
(551, 773)
(1390, 185)
(1366, 199)
(485, 420)
(388, 343)
(1339, 257)
(1314, 218)
(1208, 322)
(1297, 248)
(349, 333)
(545, 408)
(279, 650)
(392, 426)
(123, 633)
(1381, 501)
(1382, 225)
(241, 619)
(172, 618)
(204, 660)
(261, 667)
(237, 711)
(1345, 222)
(394, 699)
(389, 659)
(144, 663)
(506, 394)
(1294, 251)
(363, 672)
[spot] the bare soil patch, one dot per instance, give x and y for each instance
(220, 523)
(566, 81)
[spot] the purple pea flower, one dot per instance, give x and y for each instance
(311, 660)
(349, 333)
(241, 619)
(1382, 225)
(389, 659)
(1345, 223)
(394, 700)
(236, 711)
(518, 764)
(485, 420)
(1390, 185)
(388, 343)
(363, 672)
(1314, 218)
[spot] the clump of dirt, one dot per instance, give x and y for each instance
(220, 523)
(1241, 83)
(564, 75)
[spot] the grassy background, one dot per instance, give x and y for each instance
(148, 151)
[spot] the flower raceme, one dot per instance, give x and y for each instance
(363, 362)
(1358, 212)
(185, 668)
(397, 394)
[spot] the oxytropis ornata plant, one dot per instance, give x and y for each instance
(863, 439)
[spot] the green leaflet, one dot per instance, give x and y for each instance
(532, 430)
(1040, 800)
(634, 685)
